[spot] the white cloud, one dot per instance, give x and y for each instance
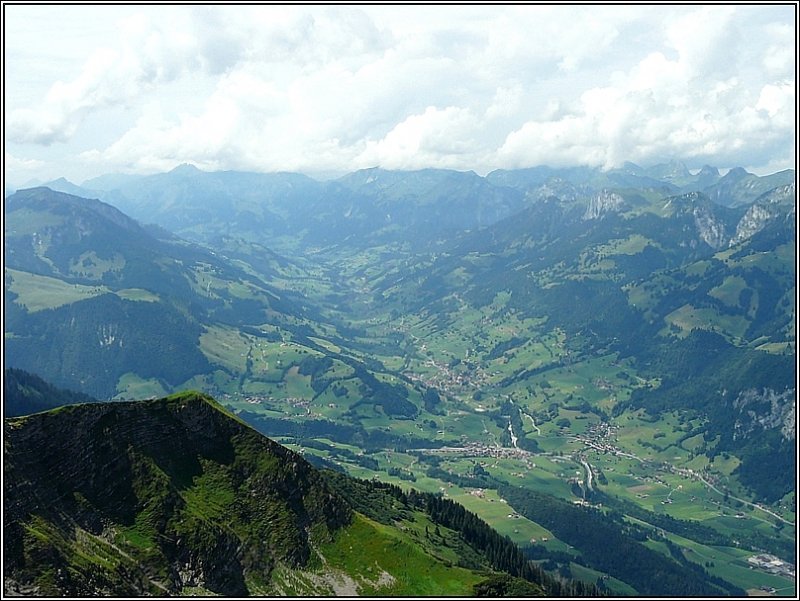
(15, 164)
(689, 107)
(282, 87)
(18, 171)
(703, 37)
(777, 100)
(434, 138)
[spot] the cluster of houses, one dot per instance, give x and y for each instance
(479, 449)
(771, 564)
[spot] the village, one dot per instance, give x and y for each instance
(479, 449)
(772, 565)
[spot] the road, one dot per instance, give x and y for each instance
(748, 503)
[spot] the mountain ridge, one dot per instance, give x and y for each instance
(615, 338)
(177, 495)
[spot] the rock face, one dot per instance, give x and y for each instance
(776, 204)
(710, 230)
(601, 203)
(768, 409)
(152, 497)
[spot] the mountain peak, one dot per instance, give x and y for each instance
(632, 168)
(736, 173)
(162, 476)
(186, 169)
(675, 168)
(708, 170)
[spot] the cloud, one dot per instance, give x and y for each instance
(19, 171)
(434, 138)
(151, 52)
(693, 106)
(337, 88)
(15, 164)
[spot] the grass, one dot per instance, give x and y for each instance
(137, 294)
(688, 318)
(225, 346)
(632, 245)
(731, 565)
(366, 549)
(616, 587)
(39, 292)
(133, 386)
(30, 221)
(495, 511)
(211, 494)
(730, 289)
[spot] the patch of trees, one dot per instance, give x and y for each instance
(387, 502)
(692, 530)
(768, 463)
(374, 439)
(258, 333)
(314, 366)
(509, 411)
(402, 474)
(393, 398)
(25, 393)
(695, 371)
(89, 344)
(464, 481)
(362, 460)
(503, 585)
(502, 347)
(610, 545)
(431, 399)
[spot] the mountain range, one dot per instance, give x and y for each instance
(624, 338)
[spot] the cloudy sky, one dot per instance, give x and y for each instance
(326, 89)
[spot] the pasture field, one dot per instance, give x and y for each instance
(137, 294)
(131, 386)
(39, 292)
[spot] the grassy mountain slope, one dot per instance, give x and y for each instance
(174, 495)
(628, 276)
(622, 339)
(88, 287)
(178, 496)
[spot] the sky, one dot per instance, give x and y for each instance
(332, 89)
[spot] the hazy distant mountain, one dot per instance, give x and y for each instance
(293, 213)
(738, 187)
(625, 328)
(64, 185)
(285, 210)
(201, 205)
(91, 295)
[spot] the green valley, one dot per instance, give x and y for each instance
(620, 344)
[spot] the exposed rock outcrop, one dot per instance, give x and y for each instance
(776, 204)
(602, 203)
(711, 230)
(768, 409)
